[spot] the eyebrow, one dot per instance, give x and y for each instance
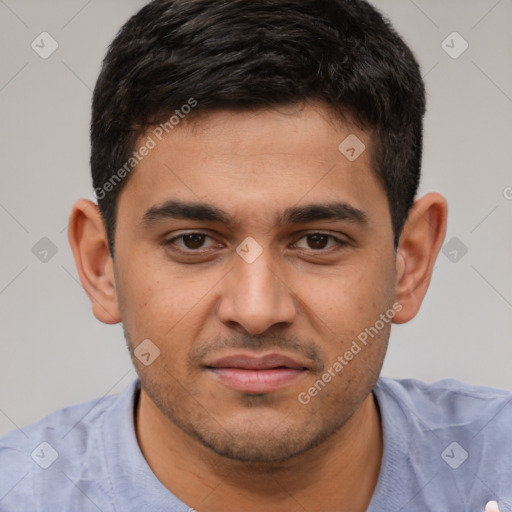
(185, 210)
(331, 211)
(173, 209)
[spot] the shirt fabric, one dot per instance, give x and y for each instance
(447, 448)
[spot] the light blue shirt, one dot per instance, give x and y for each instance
(447, 448)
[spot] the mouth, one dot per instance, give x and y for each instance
(256, 375)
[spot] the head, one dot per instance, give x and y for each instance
(256, 166)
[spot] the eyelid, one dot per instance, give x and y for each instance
(340, 242)
(170, 241)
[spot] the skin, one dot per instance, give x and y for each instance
(220, 449)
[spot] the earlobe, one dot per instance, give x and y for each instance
(419, 245)
(88, 240)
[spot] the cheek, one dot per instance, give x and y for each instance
(352, 297)
(161, 304)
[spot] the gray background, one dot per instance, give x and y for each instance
(55, 353)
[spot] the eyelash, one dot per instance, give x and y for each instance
(170, 243)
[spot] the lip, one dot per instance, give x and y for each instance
(252, 374)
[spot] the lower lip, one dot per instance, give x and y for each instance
(256, 381)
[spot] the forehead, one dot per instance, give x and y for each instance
(257, 162)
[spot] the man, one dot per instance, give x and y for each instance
(257, 233)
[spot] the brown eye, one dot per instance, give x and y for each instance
(193, 247)
(320, 242)
(193, 240)
(317, 241)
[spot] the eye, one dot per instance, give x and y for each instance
(189, 242)
(319, 241)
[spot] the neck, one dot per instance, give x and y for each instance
(342, 472)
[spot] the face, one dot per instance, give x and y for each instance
(253, 253)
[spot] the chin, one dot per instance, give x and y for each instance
(255, 448)
(270, 442)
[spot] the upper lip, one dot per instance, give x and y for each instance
(253, 362)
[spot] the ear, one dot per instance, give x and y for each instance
(88, 240)
(419, 245)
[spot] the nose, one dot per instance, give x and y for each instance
(255, 297)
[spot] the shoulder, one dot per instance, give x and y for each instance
(447, 400)
(45, 452)
(448, 405)
(72, 423)
(446, 442)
